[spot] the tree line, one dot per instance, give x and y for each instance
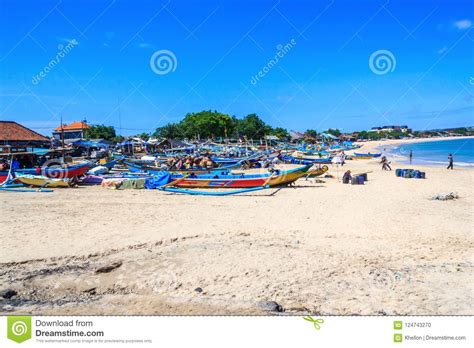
(214, 124)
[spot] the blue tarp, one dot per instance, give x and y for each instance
(125, 143)
(157, 181)
(85, 143)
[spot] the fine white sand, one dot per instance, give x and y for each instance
(320, 247)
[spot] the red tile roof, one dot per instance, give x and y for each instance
(12, 131)
(73, 126)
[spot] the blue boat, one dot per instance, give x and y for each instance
(373, 155)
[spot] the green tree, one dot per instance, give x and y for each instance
(101, 132)
(118, 139)
(336, 132)
(170, 131)
(395, 134)
(374, 135)
(144, 136)
(462, 131)
(280, 132)
(311, 133)
(362, 135)
(207, 124)
(252, 127)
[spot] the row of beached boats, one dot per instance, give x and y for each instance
(226, 173)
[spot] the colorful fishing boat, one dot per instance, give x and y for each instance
(3, 176)
(276, 178)
(42, 181)
(305, 161)
(69, 172)
(136, 168)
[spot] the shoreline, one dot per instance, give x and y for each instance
(387, 145)
(374, 144)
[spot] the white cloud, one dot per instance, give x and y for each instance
(463, 24)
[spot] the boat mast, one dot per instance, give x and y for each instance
(62, 139)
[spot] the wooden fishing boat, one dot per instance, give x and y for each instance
(368, 154)
(156, 170)
(236, 160)
(361, 157)
(276, 178)
(3, 176)
(306, 160)
(41, 181)
(69, 172)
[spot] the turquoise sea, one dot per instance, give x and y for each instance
(435, 152)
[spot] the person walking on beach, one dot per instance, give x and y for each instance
(411, 155)
(343, 158)
(451, 161)
(385, 164)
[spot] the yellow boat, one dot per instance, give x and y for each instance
(361, 157)
(42, 181)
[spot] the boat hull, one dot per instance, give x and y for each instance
(367, 155)
(58, 173)
(242, 181)
(3, 176)
(41, 181)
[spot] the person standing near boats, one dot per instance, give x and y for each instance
(385, 164)
(411, 155)
(451, 161)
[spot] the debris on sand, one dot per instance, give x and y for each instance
(109, 268)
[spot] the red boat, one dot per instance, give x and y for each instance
(57, 172)
(3, 176)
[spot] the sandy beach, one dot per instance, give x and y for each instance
(382, 248)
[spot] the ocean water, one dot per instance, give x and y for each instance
(435, 152)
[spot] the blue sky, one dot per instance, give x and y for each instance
(102, 68)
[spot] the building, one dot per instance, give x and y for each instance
(403, 129)
(75, 130)
(17, 138)
(296, 136)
